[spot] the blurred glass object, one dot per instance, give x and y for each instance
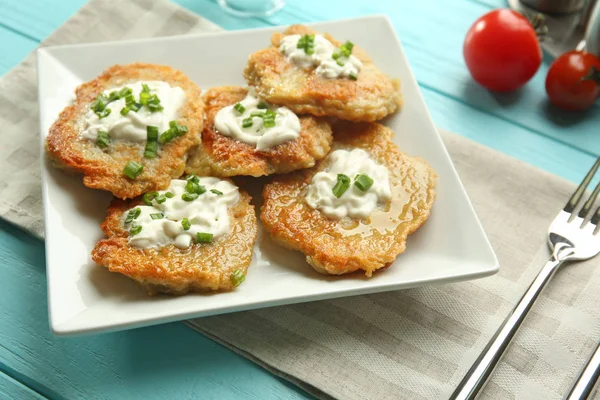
(251, 8)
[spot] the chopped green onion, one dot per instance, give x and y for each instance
(237, 277)
(144, 97)
(169, 195)
(202, 237)
(194, 187)
(114, 95)
(99, 104)
(217, 192)
(262, 105)
(270, 113)
(103, 140)
(186, 224)
(125, 110)
(157, 216)
(148, 197)
(152, 133)
(166, 136)
(340, 63)
(343, 183)
(124, 92)
(135, 230)
(192, 177)
(189, 196)
(104, 113)
(353, 76)
(133, 214)
(247, 122)
(151, 149)
(239, 108)
(178, 129)
(336, 54)
(307, 42)
(155, 107)
(161, 198)
(133, 169)
(145, 88)
(268, 123)
(346, 48)
(363, 182)
(131, 104)
(259, 114)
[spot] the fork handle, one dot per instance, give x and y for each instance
(475, 379)
(588, 379)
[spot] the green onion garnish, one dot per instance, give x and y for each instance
(166, 136)
(192, 177)
(178, 129)
(363, 182)
(114, 95)
(217, 192)
(152, 133)
(346, 48)
(340, 63)
(124, 92)
(157, 216)
(131, 104)
(262, 105)
(103, 140)
(151, 149)
(99, 104)
(203, 237)
(104, 113)
(186, 224)
(343, 183)
(247, 122)
(239, 108)
(268, 123)
(135, 230)
(189, 196)
(307, 42)
(194, 187)
(133, 214)
(148, 197)
(161, 198)
(237, 277)
(144, 97)
(353, 76)
(169, 195)
(133, 169)
(145, 88)
(125, 110)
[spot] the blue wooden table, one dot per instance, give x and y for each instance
(172, 361)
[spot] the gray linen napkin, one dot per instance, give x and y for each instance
(409, 344)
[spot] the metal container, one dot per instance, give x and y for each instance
(556, 6)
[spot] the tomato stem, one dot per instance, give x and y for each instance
(538, 22)
(592, 75)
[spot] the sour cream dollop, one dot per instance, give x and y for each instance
(354, 203)
(242, 126)
(322, 58)
(206, 214)
(132, 127)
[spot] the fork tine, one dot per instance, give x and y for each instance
(590, 202)
(596, 217)
(576, 198)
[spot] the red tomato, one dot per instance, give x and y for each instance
(565, 85)
(502, 50)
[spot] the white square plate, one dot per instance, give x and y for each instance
(83, 297)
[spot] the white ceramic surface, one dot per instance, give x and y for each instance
(84, 297)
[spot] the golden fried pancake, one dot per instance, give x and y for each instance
(203, 267)
(342, 246)
(220, 155)
(369, 98)
(103, 168)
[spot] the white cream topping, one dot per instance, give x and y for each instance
(207, 214)
(132, 127)
(322, 58)
(354, 203)
(230, 122)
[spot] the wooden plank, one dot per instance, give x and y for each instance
(14, 390)
(163, 362)
(13, 48)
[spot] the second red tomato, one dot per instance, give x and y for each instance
(502, 50)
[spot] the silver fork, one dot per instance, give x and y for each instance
(572, 237)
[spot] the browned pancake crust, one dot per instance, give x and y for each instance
(220, 155)
(339, 247)
(104, 169)
(201, 268)
(372, 97)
